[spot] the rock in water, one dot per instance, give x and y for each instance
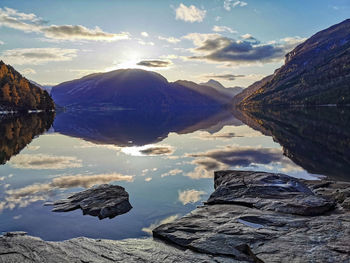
(102, 201)
(265, 217)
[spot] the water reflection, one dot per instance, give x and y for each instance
(18, 131)
(317, 139)
(131, 127)
(164, 160)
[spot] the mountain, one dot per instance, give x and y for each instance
(316, 72)
(203, 90)
(17, 93)
(134, 89)
(251, 89)
(230, 92)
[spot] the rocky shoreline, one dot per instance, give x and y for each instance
(250, 217)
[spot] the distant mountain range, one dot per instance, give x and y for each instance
(43, 87)
(316, 72)
(136, 89)
(19, 94)
(230, 92)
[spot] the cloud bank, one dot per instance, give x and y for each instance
(248, 50)
(31, 23)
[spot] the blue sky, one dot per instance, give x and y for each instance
(235, 42)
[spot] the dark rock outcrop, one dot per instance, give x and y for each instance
(102, 201)
(316, 72)
(19, 94)
(264, 217)
(265, 191)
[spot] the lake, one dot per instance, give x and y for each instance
(164, 160)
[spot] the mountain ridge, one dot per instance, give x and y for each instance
(316, 72)
(135, 88)
(19, 94)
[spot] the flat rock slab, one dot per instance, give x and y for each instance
(26, 249)
(102, 201)
(264, 217)
(268, 191)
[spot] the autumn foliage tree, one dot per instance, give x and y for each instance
(17, 93)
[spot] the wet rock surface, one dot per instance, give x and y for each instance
(264, 217)
(102, 201)
(21, 248)
(250, 217)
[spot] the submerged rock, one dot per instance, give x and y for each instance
(265, 217)
(102, 201)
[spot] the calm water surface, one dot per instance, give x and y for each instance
(164, 160)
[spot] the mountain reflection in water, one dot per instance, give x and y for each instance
(18, 131)
(131, 127)
(316, 138)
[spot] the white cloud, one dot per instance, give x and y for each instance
(172, 172)
(41, 161)
(228, 4)
(198, 39)
(147, 179)
(144, 43)
(190, 13)
(2, 42)
(223, 29)
(144, 34)
(78, 32)
(31, 23)
(27, 71)
(171, 40)
(35, 56)
(190, 196)
(25, 22)
(167, 220)
(149, 150)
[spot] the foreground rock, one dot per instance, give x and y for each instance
(264, 217)
(102, 201)
(22, 248)
(251, 217)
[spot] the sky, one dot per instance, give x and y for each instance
(234, 42)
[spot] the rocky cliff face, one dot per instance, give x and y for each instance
(17, 93)
(316, 72)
